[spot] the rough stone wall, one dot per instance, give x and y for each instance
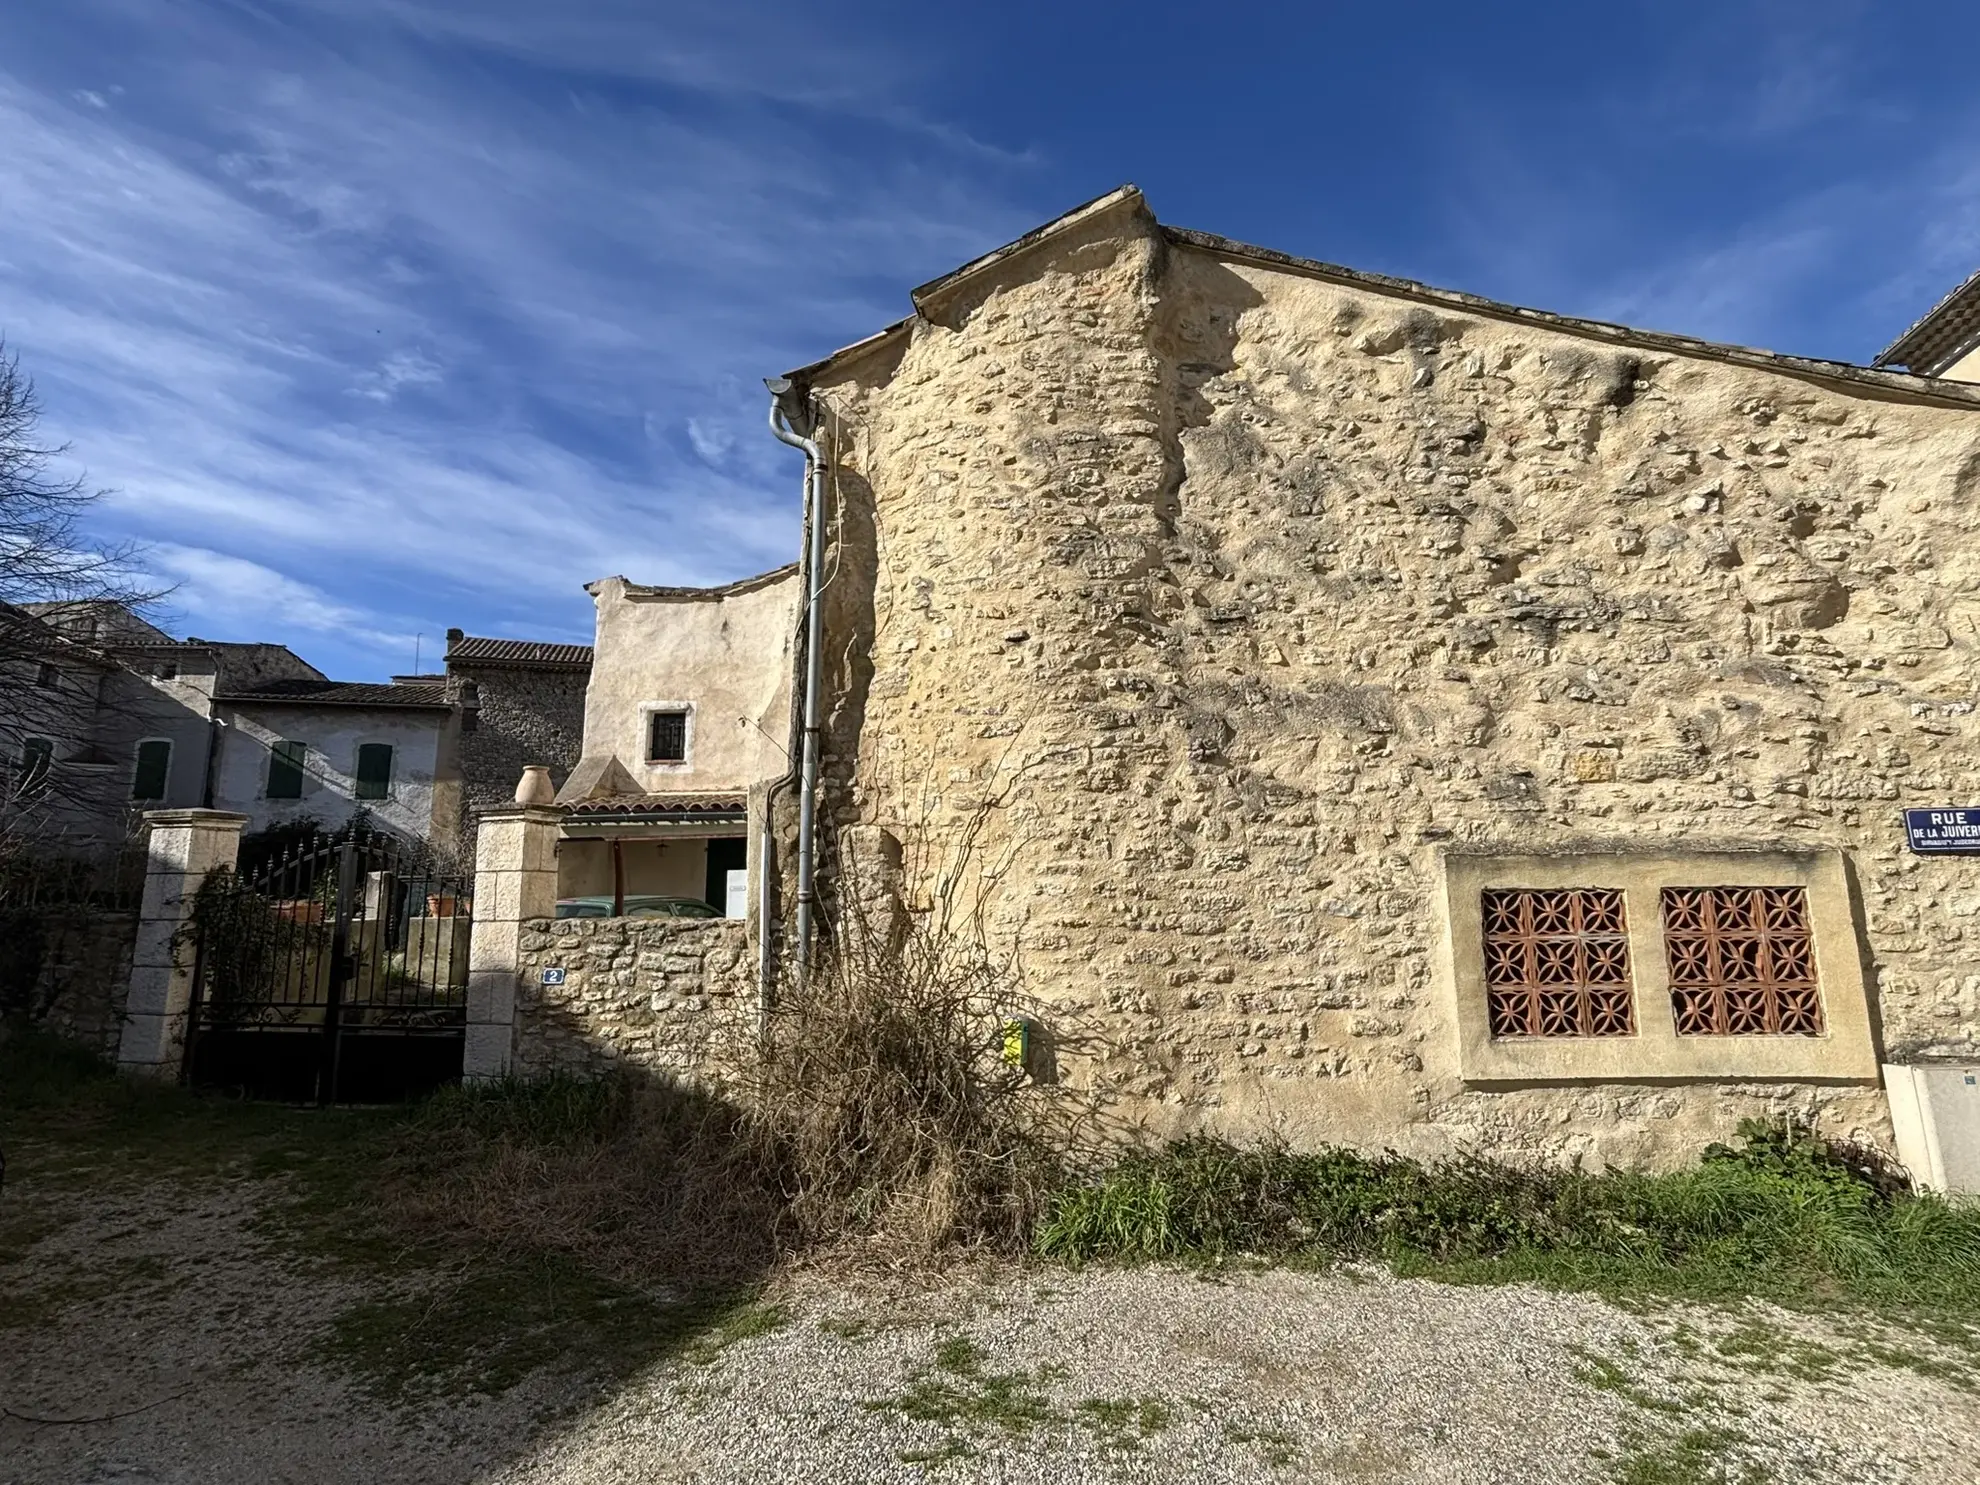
(663, 994)
(1247, 592)
(85, 975)
(527, 716)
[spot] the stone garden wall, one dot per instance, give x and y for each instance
(84, 978)
(664, 994)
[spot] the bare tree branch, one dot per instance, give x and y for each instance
(63, 593)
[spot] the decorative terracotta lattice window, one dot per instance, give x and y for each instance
(1557, 963)
(1742, 961)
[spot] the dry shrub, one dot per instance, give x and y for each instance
(870, 1121)
(635, 1177)
(880, 1096)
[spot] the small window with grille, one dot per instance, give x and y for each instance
(1742, 961)
(667, 737)
(1557, 963)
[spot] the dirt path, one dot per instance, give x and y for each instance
(194, 1340)
(159, 1309)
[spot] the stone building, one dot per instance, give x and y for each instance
(1408, 720)
(523, 703)
(322, 750)
(687, 736)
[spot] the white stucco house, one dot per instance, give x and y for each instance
(687, 709)
(324, 750)
(126, 718)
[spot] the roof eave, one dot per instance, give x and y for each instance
(724, 590)
(319, 701)
(1846, 373)
(1875, 379)
(1904, 350)
(929, 297)
(483, 662)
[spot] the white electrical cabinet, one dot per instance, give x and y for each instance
(1935, 1114)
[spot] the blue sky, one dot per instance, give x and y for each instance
(383, 315)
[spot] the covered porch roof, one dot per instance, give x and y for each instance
(621, 815)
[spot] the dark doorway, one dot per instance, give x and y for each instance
(725, 854)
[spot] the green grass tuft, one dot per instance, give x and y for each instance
(1703, 1455)
(556, 1110)
(1780, 1218)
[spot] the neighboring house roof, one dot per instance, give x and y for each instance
(931, 297)
(1944, 333)
(26, 636)
(533, 654)
(675, 807)
(340, 693)
(110, 622)
(242, 665)
(724, 590)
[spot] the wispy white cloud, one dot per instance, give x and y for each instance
(218, 592)
(329, 309)
(402, 369)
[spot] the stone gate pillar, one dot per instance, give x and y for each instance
(182, 848)
(515, 880)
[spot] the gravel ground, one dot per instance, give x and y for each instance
(179, 1340)
(1153, 1375)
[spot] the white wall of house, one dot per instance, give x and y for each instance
(721, 654)
(96, 719)
(666, 868)
(332, 734)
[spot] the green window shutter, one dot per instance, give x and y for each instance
(37, 757)
(154, 768)
(374, 770)
(285, 769)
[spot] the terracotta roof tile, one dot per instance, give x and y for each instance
(1943, 334)
(541, 654)
(341, 693)
(668, 805)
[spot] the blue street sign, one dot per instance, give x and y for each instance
(1943, 832)
(553, 977)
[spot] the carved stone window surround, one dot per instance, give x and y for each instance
(1843, 1053)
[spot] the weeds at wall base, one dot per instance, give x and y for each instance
(1779, 1217)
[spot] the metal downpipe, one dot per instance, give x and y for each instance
(814, 667)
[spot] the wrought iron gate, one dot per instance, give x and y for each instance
(337, 972)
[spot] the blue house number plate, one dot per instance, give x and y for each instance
(553, 977)
(1943, 832)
